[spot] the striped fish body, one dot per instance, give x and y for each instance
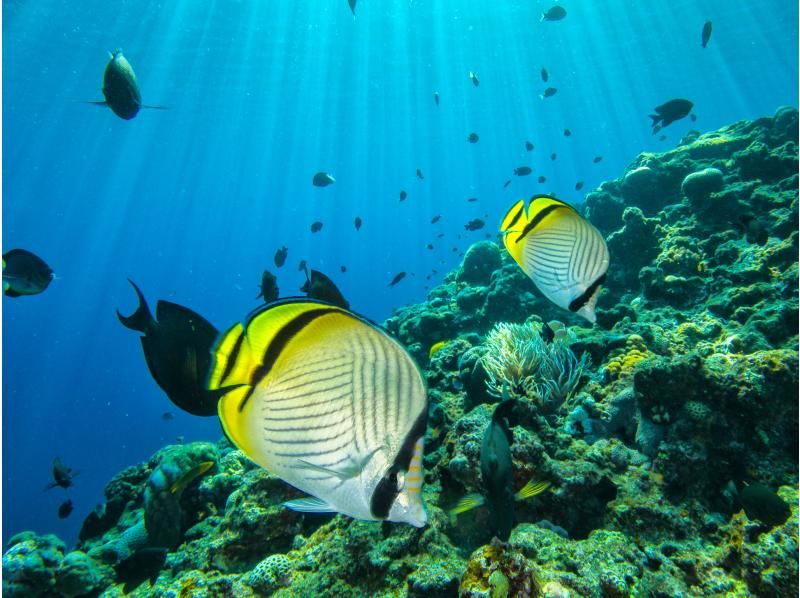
(330, 404)
(565, 256)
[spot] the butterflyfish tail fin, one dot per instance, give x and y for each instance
(532, 488)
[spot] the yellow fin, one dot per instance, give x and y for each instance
(436, 347)
(532, 488)
(514, 217)
(222, 352)
(230, 417)
(186, 479)
(469, 502)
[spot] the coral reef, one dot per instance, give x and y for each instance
(647, 425)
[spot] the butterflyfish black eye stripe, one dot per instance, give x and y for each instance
(516, 216)
(229, 364)
(538, 219)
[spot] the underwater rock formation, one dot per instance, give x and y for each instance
(682, 395)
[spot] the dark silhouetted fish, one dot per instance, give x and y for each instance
(554, 14)
(302, 267)
(669, 112)
(475, 224)
(523, 170)
(473, 138)
(420, 175)
(597, 159)
(120, 88)
(662, 138)
(693, 117)
(268, 289)
(472, 199)
(316, 226)
(436, 98)
(567, 132)
(357, 223)
(553, 156)
(352, 5)
(280, 256)
(177, 350)
(24, 273)
(544, 74)
(578, 185)
(474, 78)
(144, 564)
(762, 503)
(62, 475)
(403, 195)
(342, 269)
(542, 179)
(397, 278)
(440, 235)
(529, 146)
(436, 219)
(429, 246)
(65, 509)
(752, 228)
(507, 183)
(549, 92)
(319, 286)
(322, 179)
(167, 416)
(706, 35)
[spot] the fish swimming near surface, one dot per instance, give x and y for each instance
(523, 170)
(762, 503)
(578, 185)
(328, 402)
(553, 156)
(529, 146)
(121, 89)
(436, 219)
(474, 78)
(316, 226)
(475, 224)
(322, 179)
(507, 183)
(549, 92)
(497, 476)
(472, 199)
(565, 256)
(706, 34)
(65, 509)
(268, 289)
(436, 98)
(555, 13)
(280, 256)
(397, 278)
(403, 195)
(176, 348)
(167, 416)
(420, 176)
(62, 475)
(352, 5)
(597, 159)
(357, 223)
(25, 273)
(319, 286)
(473, 138)
(668, 112)
(544, 74)
(567, 133)
(144, 564)
(542, 179)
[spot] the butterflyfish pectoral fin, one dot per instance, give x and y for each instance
(309, 505)
(532, 488)
(467, 503)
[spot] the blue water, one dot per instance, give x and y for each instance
(193, 202)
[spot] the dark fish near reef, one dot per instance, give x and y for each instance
(706, 35)
(554, 14)
(760, 502)
(669, 112)
(497, 476)
(474, 78)
(507, 183)
(403, 195)
(529, 146)
(144, 564)
(565, 256)
(436, 98)
(62, 475)
(268, 289)
(473, 138)
(322, 179)
(693, 117)
(25, 273)
(316, 226)
(549, 92)
(435, 219)
(420, 176)
(597, 159)
(544, 74)
(176, 348)
(65, 509)
(352, 5)
(357, 223)
(578, 185)
(475, 224)
(567, 133)
(120, 88)
(752, 228)
(167, 416)
(397, 278)
(280, 256)
(523, 170)
(325, 400)
(318, 286)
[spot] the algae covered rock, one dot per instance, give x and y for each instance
(699, 185)
(480, 262)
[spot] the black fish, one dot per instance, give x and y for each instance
(549, 92)
(397, 278)
(597, 159)
(760, 502)
(542, 179)
(436, 98)
(268, 289)
(352, 5)
(473, 138)
(554, 14)
(280, 256)
(662, 138)
(548, 334)
(507, 183)
(24, 273)
(706, 35)
(419, 174)
(472, 199)
(440, 235)
(120, 88)
(544, 74)
(523, 170)
(65, 509)
(403, 194)
(62, 475)
(475, 224)
(429, 246)
(167, 416)
(357, 223)
(752, 228)
(578, 185)
(322, 179)
(474, 78)
(144, 564)
(342, 269)
(567, 132)
(529, 146)
(319, 286)
(693, 117)
(435, 219)
(553, 156)
(177, 349)
(316, 226)
(669, 112)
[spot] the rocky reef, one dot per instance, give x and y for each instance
(649, 426)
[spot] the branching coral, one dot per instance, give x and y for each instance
(518, 362)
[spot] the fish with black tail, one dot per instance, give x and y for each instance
(143, 565)
(280, 256)
(420, 176)
(474, 78)
(528, 146)
(523, 170)
(319, 286)
(706, 34)
(397, 278)
(762, 503)
(475, 224)
(556, 13)
(357, 223)
(549, 92)
(121, 89)
(268, 289)
(473, 138)
(668, 112)
(62, 475)
(544, 74)
(436, 98)
(316, 226)
(65, 509)
(322, 179)
(403, 195)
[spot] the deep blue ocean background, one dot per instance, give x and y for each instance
(192, 202)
